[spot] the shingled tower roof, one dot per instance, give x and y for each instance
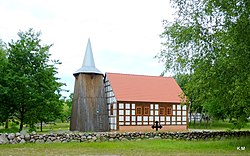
(88, 65)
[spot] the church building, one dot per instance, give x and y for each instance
(131, 102)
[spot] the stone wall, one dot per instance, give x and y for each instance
(15, 138)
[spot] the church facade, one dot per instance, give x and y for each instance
(136, 102)
(125, 102)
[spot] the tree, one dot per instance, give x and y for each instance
(210, 40)
(34, 86)
(67, 108)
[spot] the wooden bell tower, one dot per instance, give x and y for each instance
(89, 109)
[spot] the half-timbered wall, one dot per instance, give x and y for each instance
(112, 105)
(139, 113)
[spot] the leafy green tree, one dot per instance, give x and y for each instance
(34, 86)
(67, 108)
(210, 40)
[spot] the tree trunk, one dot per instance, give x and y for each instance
(41, 126)
(6, 123)
(195, 114)
(21, 121)
(200, 120)
(21, 118)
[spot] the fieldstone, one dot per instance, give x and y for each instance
(32, 140)
(33, 133)
(111, 139)
(3, 139)
(89, 137)
(13, 141)
(157, 137)
(57, 141)
(26, 137)
(11, 136)
(22, 136)
(18, 134)
(22, 141)
(124, 139)
(48, 141)
(94, 138)
(112, 135)
(18, 139)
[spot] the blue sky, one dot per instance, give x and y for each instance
(124, 34)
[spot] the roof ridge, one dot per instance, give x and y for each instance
(140, 75)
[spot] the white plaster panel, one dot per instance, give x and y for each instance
(114, 105)
(184, 123)
(178, 107)
(139, 123)
(174, 112)
(184, 113)
(121, 112)
(133, 112)
(127, 112)
(156, 118)
(127, 106)
(151, 118)
(151, 123)
(173, 107)
(162, 123)
(151, 112)
(121, 106)
(184, 118)
(156, 112)
(127, 123)
(173, 123)
(173, 118)
(178, 118)
(121, 123)
(162, 118)
(133, 106)
(145, 123)
(168, 118)
(133, 118)
(139, 118)
(133, 123)
(145, 118)
(114, 112)
(168, 123)
(121, 118)
(178, 112)
(127, 118)
(151, 106)
(156, 106)
(184, 107)
(178, 123)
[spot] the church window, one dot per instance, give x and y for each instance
(138, 110)
(146, 110)
(169, 111)
(162, 110)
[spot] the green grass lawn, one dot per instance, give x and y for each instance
(143, 147)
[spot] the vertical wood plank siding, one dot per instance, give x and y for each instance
(89, 109)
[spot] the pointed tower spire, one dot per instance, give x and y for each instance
(88, 65)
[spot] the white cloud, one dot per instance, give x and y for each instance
(124, 34)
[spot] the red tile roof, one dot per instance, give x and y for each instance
(127, 87)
